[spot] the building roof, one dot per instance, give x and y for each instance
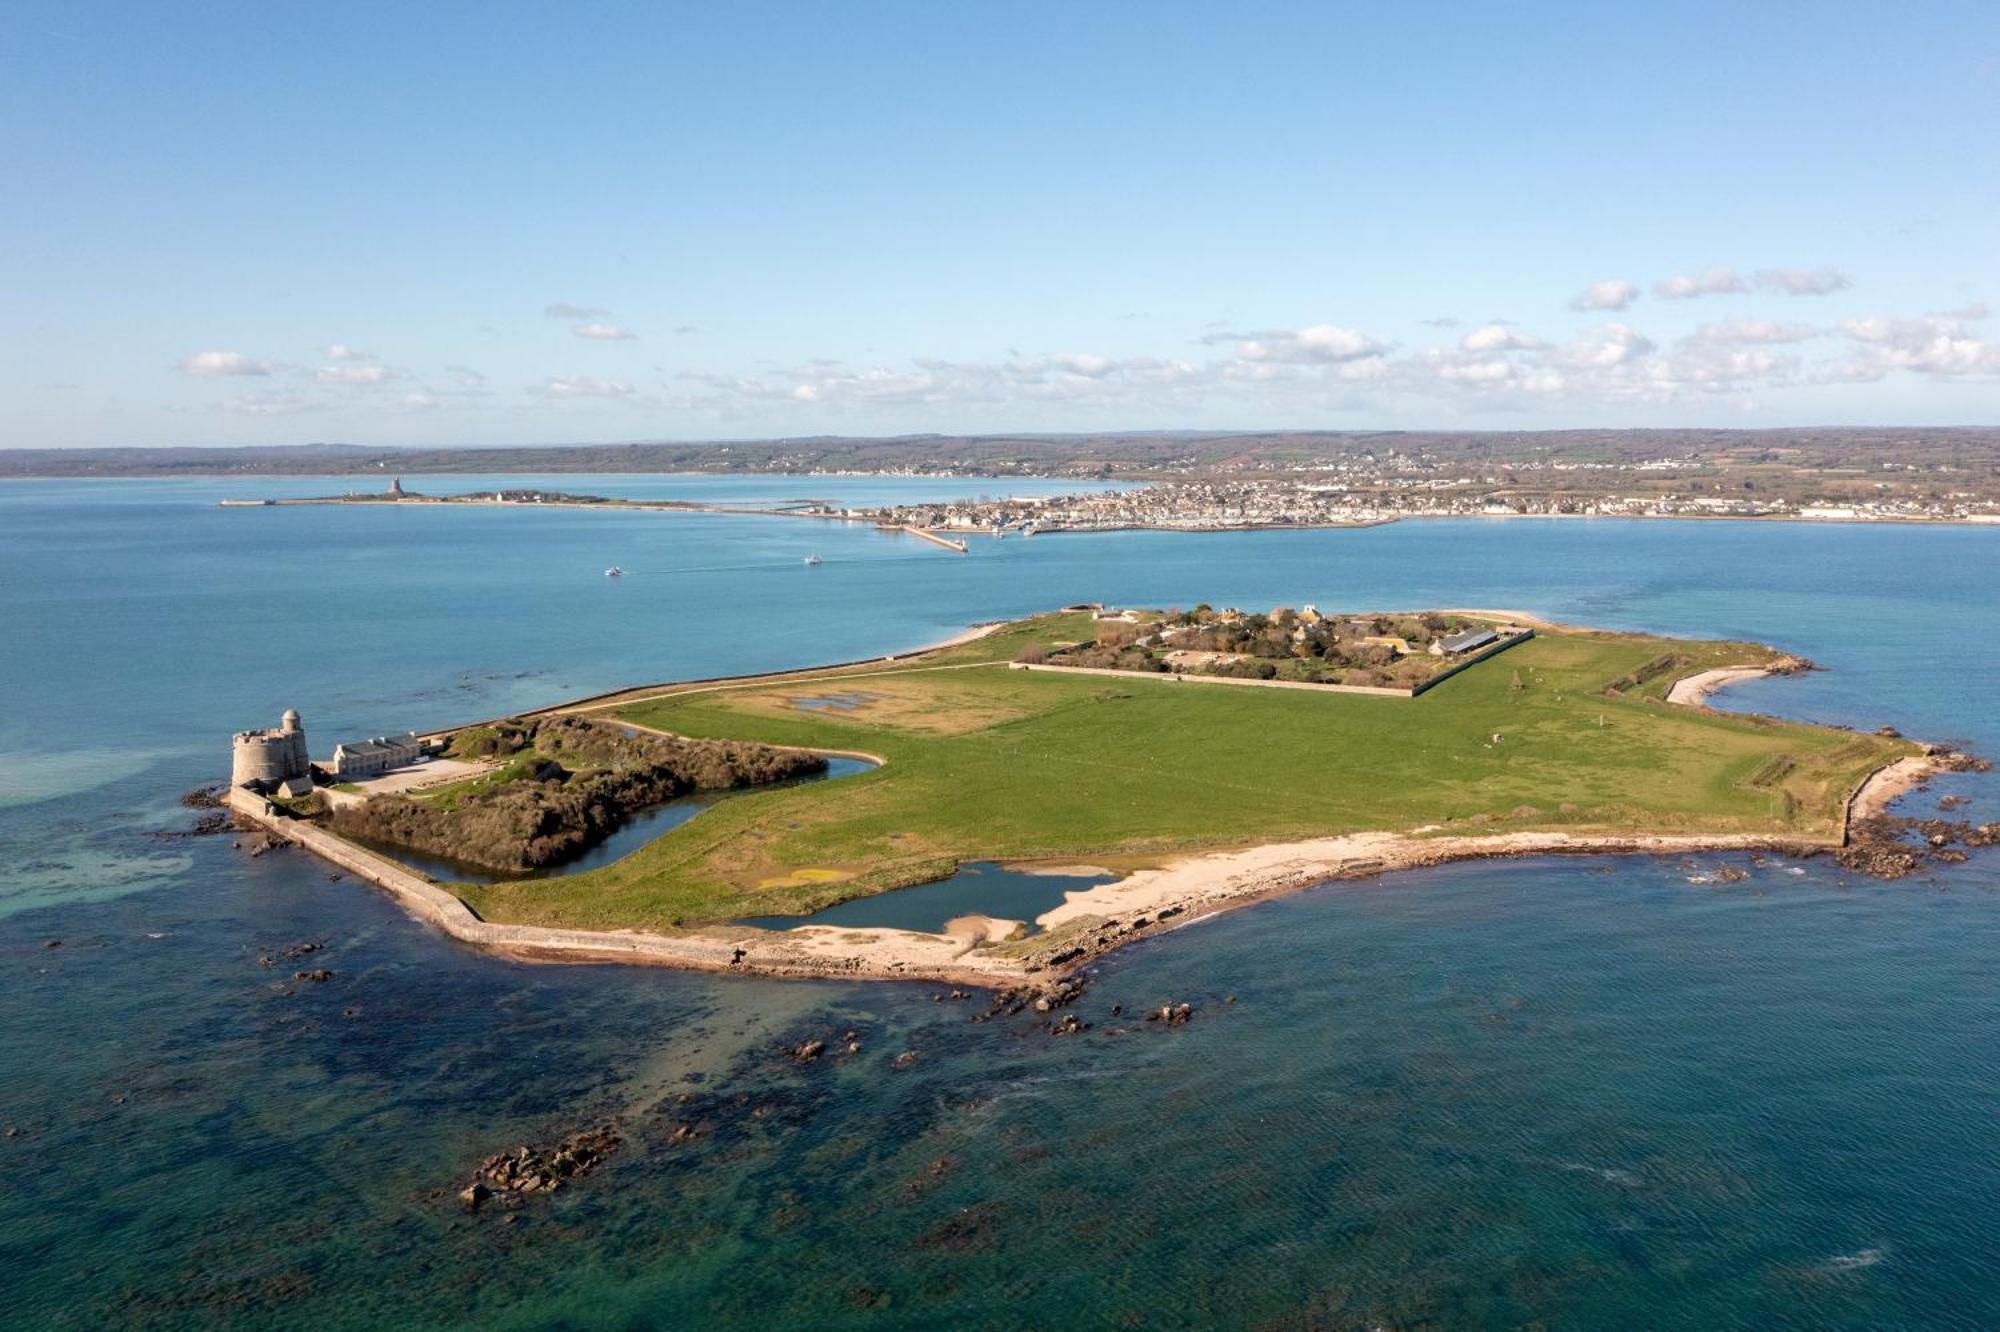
(1468, 638)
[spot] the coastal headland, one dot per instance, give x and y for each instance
(1200, 799)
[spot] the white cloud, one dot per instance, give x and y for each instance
(1933, 345)
(1321, 344)
(1753, 330)
(604, 332)
(357, 376)
(421, 400)
(1605, 346)
(580, 386)
(564, 310)
(1803, 281)
(1492, 367)
(1686, 286)
(216, 363)
(1091, 367)
(1498, 337)
(340, 351)
(1610, 294)
(466, 377)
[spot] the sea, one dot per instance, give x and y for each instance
(1584, 1093)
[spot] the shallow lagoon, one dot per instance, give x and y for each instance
(979, 888)
(1581, 1092)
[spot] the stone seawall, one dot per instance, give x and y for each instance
(814, 952)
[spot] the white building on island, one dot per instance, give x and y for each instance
(366, 758)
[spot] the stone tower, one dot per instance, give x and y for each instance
(273, 759)
(396, 488)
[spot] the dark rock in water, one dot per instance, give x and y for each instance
(1889, 731)
(1881, 860)
(1044, 999)
(807, 1051)
(1059, 995)
(52, 943)
(208, 825)
(970, 1228)
(905, 1059)
(510, 1176)
(1067, 1025)
(1171, 1015)
(319, 976)
(206, 797)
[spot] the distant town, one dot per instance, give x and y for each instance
(1289, 502)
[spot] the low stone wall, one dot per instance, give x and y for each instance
(1493, 651)
(1171, 678)
(1375, 690)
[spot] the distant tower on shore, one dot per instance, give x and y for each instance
(396, 488)
(273, 760)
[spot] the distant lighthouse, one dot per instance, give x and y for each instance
(396, 488)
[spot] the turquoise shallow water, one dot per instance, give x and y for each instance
(1579, 1093)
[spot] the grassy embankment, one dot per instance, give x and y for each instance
(985, 762)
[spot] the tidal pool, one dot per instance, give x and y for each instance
(980, 888)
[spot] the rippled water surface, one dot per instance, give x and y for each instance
(1575, 1093)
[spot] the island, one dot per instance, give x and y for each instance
(1186, 784)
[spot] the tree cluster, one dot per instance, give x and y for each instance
(590, 778)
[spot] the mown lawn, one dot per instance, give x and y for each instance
(984, 762)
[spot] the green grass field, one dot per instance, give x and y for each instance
(985, 762)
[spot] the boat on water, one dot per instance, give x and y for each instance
(812, 561)
(614, 572)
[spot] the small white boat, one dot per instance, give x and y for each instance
(812, 561)
(614, 572)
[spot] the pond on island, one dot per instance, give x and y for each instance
(634, 833)
(850, 700)
(980, 888)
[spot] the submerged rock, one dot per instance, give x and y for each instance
(1171, 1015)
(527, 1169)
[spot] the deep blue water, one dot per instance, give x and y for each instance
(1571, 1093)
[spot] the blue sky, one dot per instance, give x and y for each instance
(505, 223)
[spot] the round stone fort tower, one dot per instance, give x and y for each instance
(270, 758)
